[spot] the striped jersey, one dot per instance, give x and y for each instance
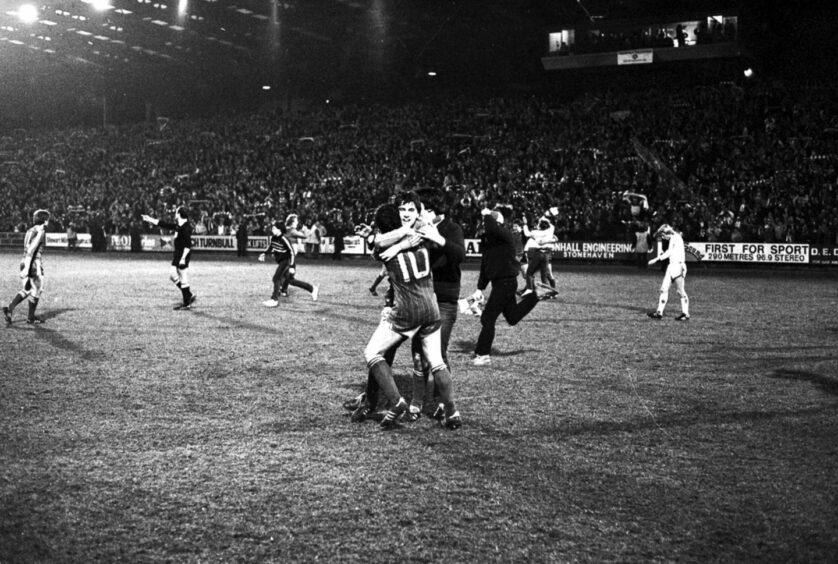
(33, 243)
(282, 249)
(415, 302)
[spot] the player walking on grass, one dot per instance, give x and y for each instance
(178, 272)
(415, 313)
(282, 249)
(31, 269)
(676, 271)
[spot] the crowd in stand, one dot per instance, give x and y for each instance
(721, 162)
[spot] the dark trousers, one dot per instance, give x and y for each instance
(280, 274)
(502, 300)
(539, 262)
(291, 281)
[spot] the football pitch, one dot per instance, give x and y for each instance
(133, 433)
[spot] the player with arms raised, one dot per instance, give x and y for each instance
(31, 269)
(676, 271)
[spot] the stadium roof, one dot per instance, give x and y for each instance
(213, 49)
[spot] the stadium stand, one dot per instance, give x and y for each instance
(726, 162)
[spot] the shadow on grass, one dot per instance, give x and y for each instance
(610, 305)
(676, 421)
(825, 383)
(47, 315)
(371, 320)
(59, 341)
(467, 347)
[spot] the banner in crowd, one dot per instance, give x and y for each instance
(642, 57)
(778, 253)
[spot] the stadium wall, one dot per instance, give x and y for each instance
(608, 251)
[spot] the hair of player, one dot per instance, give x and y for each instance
(387, 218)
(665, 230)
(289, 221)
(408, 197)
(432, 198)
(183, 212)
(40, 217)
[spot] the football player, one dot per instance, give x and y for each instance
(539, 250)
(676, 271)
(31, 269)
(293, 234)
(415, 313)
(181, 256)
(282, 249)
(447, 252)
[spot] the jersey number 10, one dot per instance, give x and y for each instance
(413, 265)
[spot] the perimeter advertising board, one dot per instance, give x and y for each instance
(578, 250)
(775, 253)
(60, 240)
(823, 255)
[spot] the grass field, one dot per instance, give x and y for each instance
(132, 433)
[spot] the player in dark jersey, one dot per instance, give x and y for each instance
(181, 255)
(294, 235)
(500, 267)
(447, 252)
(415, 313)
(31, 269)
(282, 249)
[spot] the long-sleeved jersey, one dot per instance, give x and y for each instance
(182, 242)
(445, 261)
(33, 249)
(282, 249)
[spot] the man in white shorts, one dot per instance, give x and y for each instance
(676, 271)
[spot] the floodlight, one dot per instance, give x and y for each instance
(27, 13)
(101, 5)
(749, 72)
